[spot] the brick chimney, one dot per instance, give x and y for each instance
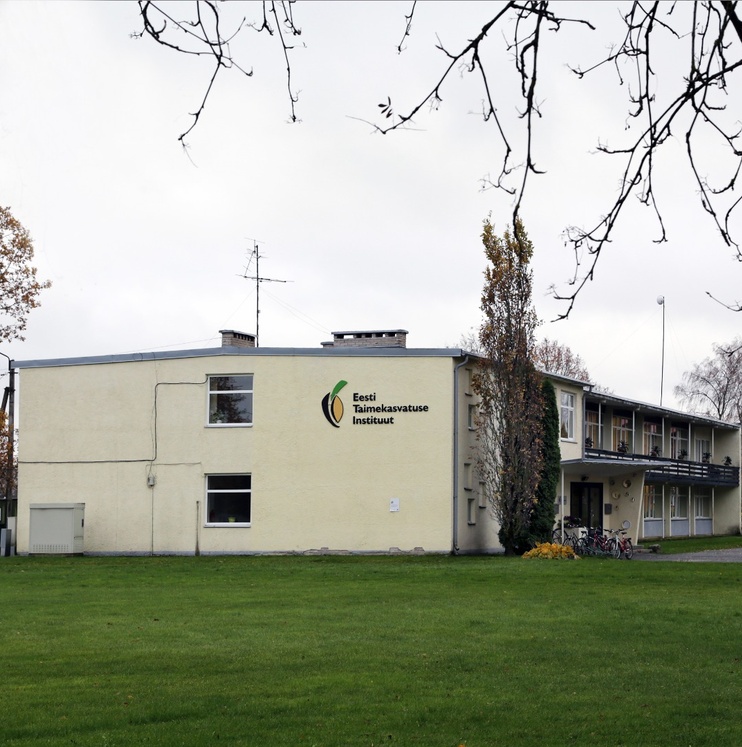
(383, 338)
(233, 339)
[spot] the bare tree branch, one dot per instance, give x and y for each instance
(705, 39)
(202, 36)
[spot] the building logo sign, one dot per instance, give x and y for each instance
(366, 409)
(332, 405)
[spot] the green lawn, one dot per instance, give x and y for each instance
(345, 651)
(695, 544)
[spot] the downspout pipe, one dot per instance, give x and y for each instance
(10, 402)
(455, 537)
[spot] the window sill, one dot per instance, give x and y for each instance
(229, 425)
(227, 525)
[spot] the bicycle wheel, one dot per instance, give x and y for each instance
(557, 537)
(628, 549)
(614, 548)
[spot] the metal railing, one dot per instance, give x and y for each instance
(664, 469)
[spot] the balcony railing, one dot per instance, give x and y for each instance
(681, 471)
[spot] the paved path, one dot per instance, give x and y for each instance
(707, 556)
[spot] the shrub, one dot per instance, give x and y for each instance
(551, 551)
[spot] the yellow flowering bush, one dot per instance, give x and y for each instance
(552, 551)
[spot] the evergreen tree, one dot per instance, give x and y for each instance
(542, 518)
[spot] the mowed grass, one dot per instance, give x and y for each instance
(274, 651)
(695, 544)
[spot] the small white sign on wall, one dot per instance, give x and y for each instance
(394, 504)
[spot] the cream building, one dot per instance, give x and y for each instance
(663, 472)
(361, 445)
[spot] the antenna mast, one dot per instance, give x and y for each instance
(258, 280)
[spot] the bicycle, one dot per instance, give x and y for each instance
(570, 539)
(620, 544)
(594, 542)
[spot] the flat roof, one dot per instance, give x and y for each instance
(647, 408)
(338, 352)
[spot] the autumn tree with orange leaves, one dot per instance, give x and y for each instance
(19, 286)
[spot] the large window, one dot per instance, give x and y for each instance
(228, 500)
(678, 441)
(652, 502)
(703, 450)
(703, 503)
(652, 437)
(567, 416)
(678, 503)
(230, 400)
(622, 428)
(592, 428)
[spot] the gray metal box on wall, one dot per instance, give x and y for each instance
(56, 528)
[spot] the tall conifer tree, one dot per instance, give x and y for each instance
(542, 518)
(509, 386)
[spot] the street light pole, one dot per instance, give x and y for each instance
(661, 302)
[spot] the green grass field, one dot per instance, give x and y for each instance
(696, 544)
(343, 651)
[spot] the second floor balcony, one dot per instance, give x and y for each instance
(676, 471)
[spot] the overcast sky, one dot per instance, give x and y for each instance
(145, 245)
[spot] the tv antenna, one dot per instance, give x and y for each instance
(255, 254)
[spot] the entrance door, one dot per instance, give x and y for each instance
(586, 503)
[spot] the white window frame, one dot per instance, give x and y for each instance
(679, 496)
(652, 437)
(592, 428)
(702, 446)
(214, 521)
(701, 495)
(652, 502)
(679, 441)
(567, 416)
(622, 430)
(213, 394)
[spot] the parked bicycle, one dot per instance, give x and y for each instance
(593, 542)
(620, 544)
(570, 536)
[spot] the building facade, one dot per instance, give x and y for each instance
(361, 445)
(664, 472)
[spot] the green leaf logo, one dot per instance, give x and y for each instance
(332, 405)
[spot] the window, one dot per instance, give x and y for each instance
(592, 429)
(482, 494)
(622, 427)
(467, 476)
(678, 503)
(679, 441)
(703, 450)
(471, 514)
(471, 416)
(703, 503)
(230, 400)
(567, 417)
(652, 502)
(652, 437)
(228, 500)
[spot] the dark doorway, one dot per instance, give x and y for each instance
(586, 503)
